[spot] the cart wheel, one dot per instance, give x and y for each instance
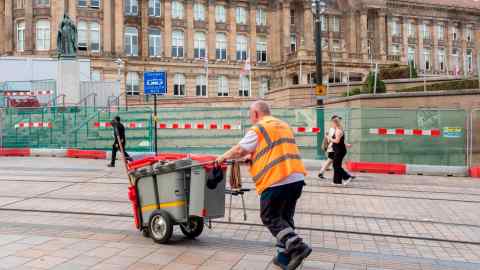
(194, 228)
(145, 233)
(160, 226)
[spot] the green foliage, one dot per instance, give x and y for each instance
(413, 70)
(370, 84)
(353, 92)
(396, 71)
(445, 86)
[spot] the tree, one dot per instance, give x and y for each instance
(369, 87)
(412, 70)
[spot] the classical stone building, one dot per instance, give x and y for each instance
(277, 37)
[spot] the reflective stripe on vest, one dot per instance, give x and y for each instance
(275, 162)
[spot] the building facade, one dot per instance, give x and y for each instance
(234, 50)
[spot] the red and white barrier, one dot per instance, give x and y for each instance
(44, 93)
(202, 126)
(406, 132)
(34, 125)
(130, 125)
(307, 130)
(18, 93)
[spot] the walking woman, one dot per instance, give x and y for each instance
(340, 151)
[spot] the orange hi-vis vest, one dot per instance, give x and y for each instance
(276, 156)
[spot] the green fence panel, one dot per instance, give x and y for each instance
(474, 146)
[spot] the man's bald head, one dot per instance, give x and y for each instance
(258, 110)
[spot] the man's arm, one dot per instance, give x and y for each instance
(235, 152)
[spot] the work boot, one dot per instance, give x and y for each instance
(281, 260)
(298, 254)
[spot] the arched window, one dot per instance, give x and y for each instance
(177, 10)
(199, 12)
(199, 44)
(131, 41)
(221, 46)
(244, 87)
(242, 47)
(178, 41)
(154, 8)
(21, 36)
(201, 86)
(154, 42)
(42, 35)
(222, 86)
(132, 84)
(179, 85)
(94, 37)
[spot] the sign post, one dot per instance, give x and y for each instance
(155, 83)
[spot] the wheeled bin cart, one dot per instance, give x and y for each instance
(176, 189)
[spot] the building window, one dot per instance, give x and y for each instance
(241, 15)
(325, 43)
(292, 16)
(469, 34)
(426, 59)
(95, 3)
(222, 86)
(441, 59)
(293, 43)
(242, 47)
(43, 35)
(441, 32)
(220, 14)
(96, 75)
(131, 41)
(199, 12)
(455, 62)
(264, 87)
(19, 4)
(154, 42)
(95, 37)
(261, 17)
(179, 85)
(469, 60)
(82, 30)
(454, 33)
(199, 44)
(178, 41)
(82, 3)
(21, 36)
(336, 45)
(244, 87)
(131, 7)
(154, 8)
(132, 84)
(395, 27)
(40, 3)
(335, 24)
(324, 21)
(426, 31)
(411, 30)
(411, 56)
(201, 86)
(395, 49)
(261, 50)
(177, 10)
(221, 46)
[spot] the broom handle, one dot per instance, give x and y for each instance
(120, 145)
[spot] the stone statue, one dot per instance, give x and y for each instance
(67, 38)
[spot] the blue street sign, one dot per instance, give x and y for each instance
(155, 83)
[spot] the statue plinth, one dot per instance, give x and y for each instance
(69, 79)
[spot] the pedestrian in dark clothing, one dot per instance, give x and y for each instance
(340, 151)
(118, 133)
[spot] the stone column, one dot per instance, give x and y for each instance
(350, 33)
(253, 32)
(434, 52)
(405, 40)
(308, 28)
(189, 33)
(382, 30)
(274, 33)
(107, 27)
(364, 34)
(72, 9)
(8, 24)
(29, 36)
(232, 32)
(448, 48)
(420, 58)
(463, 44)
(119, 26)
(143, 39)
(211, 44)
(2, 25)
(167, 36)
(57, 9)
(286, 29)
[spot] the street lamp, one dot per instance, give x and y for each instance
(318, 9)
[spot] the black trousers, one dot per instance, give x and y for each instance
(277, 209)
(115, 149)
(339, 174)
